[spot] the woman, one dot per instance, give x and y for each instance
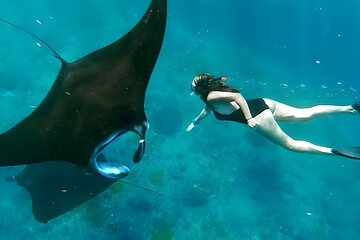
(261, 114)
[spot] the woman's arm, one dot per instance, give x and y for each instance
(240, 101)
(230, 96)
(204, 113)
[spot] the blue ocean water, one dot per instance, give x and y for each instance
(229, 183)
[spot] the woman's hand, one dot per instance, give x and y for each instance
(190, 127)
(253, 123)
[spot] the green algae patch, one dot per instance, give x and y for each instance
(162, 230)
(156, 177)
(117, 187)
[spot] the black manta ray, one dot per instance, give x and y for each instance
(93, 101)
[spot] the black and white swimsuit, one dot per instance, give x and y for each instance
(256, 106)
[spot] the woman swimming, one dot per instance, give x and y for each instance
(261, 114)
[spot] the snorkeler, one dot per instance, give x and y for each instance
(261, 114)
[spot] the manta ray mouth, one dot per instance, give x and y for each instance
(100, 165)
(111, 170)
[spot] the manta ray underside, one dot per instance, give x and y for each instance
(56, 187)
(93, 101)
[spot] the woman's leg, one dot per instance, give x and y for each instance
(284, 112)
(271, 131)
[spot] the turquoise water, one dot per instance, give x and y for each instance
(229, 183)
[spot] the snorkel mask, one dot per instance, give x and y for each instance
(201, 78)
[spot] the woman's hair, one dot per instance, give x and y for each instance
(204, 83)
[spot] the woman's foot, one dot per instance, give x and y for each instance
(356, 106)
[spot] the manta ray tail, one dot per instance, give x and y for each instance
(38, 38)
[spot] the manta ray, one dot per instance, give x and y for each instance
(93, 101)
